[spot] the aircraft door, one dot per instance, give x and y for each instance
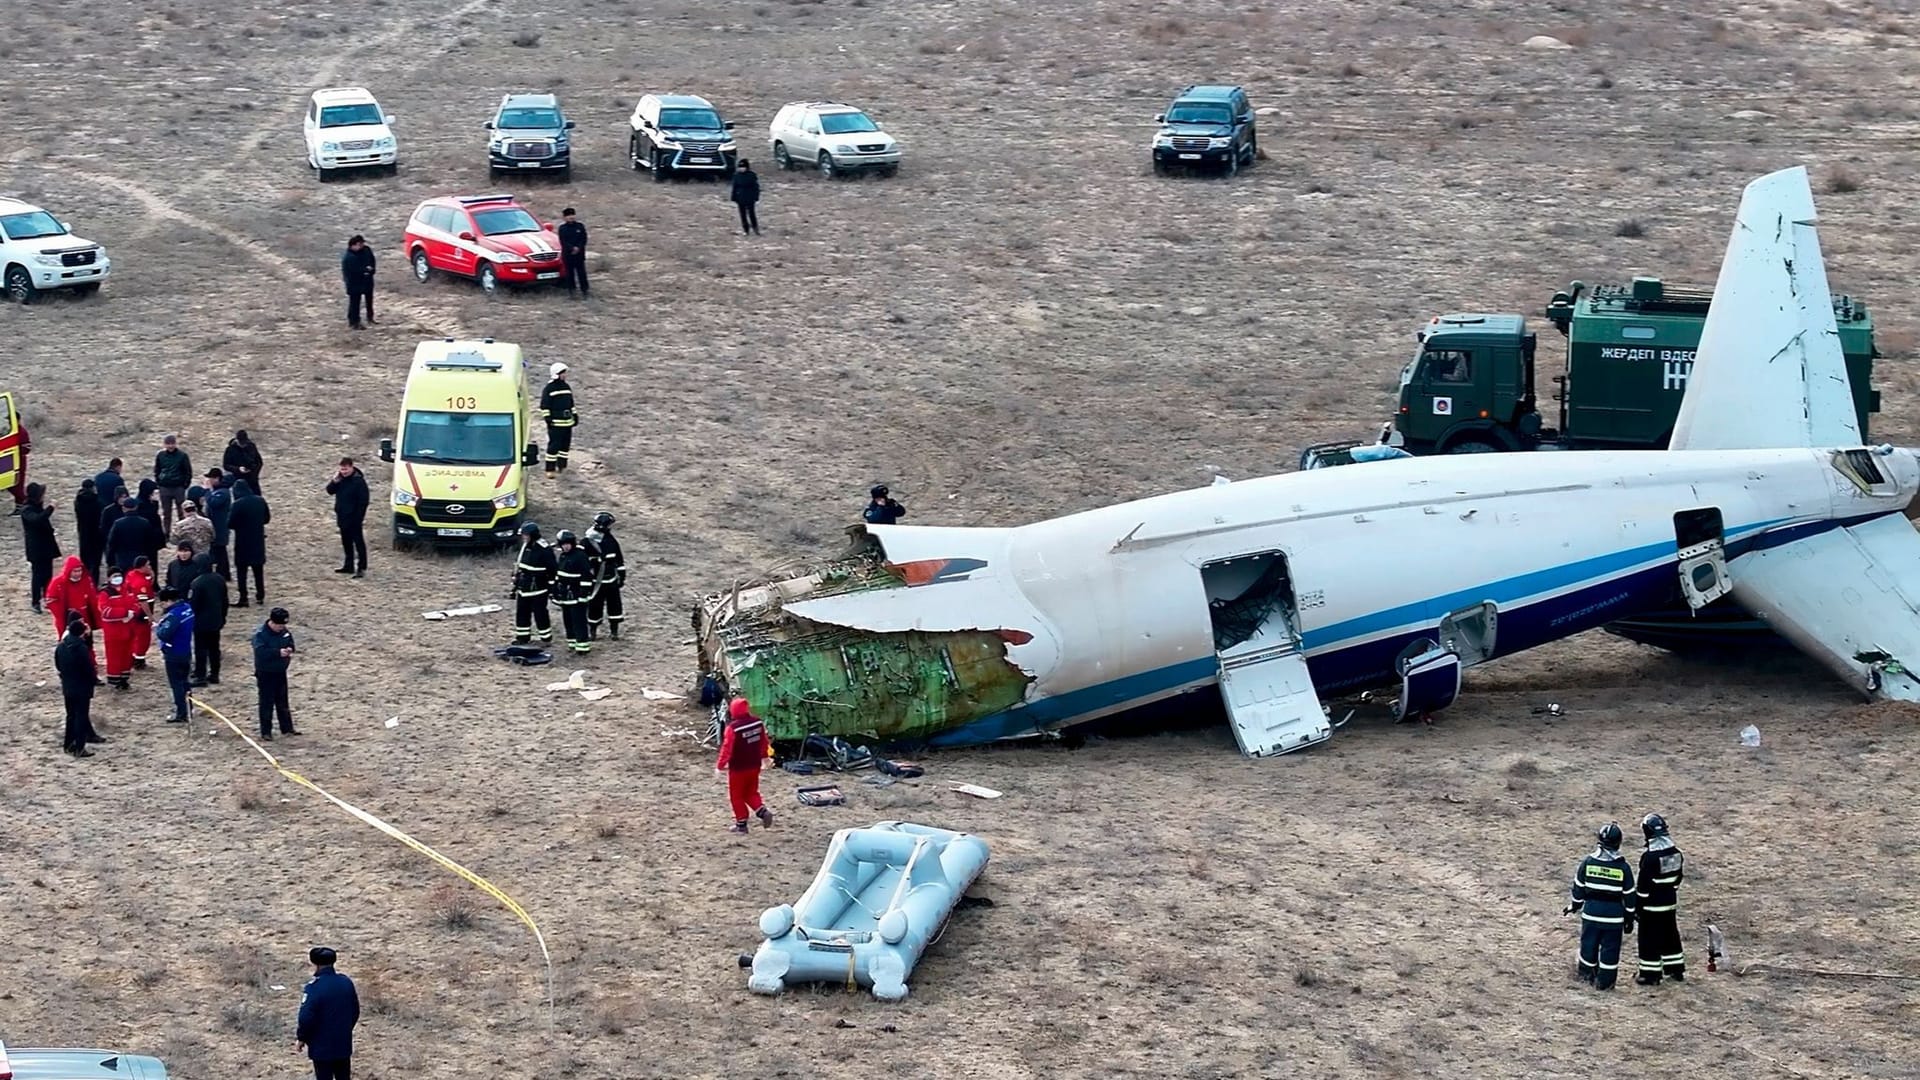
(1703, 556)
(1271, 702)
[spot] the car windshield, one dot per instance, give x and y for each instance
(1188, 113)
(501, 222)
(349, 115)
(846, 123)
(461, 438)
(31, 225)
(528, 118)
(689, 118)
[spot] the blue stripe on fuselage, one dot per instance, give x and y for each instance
(1603, 592)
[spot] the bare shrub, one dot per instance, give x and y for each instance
(1164, 31)
(252, 1020)
(607, 830)
(526, 39)
(1841, 180)
(1305, 976)
(1630, 228)
(1349, 71)
(245, 965)
(613, 1017)
(452, 907)
(1525, 767)
(247, 794)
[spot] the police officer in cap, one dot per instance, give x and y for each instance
(329, 1008)
(1603, 895)
(612, 574)
(1659, 902)
(533, 574)
(881, 508)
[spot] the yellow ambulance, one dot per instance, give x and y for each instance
(464, 446)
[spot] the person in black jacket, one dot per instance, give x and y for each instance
(129, 537)
(573, 252)
(73, 658)
(147, 505)
(533, 574)
(36, 528)
(356, 270)
(108, 483)
(573, 580)
(350, 498)
(1603, 894)
(606, 603)
(1662, 868)
(172, 474)
(183, 568)
(556, 408)
(112, 509)
(242, 459)
(272, 654)
(247, 525)
(216, 502)
(86, 524)
(746, 195)
(882, 508)
(329, 1008)
(208, 595)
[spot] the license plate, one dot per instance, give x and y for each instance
(548, 276)
(699, 161)
(455, 532)
(1189, 157)
(529, 164)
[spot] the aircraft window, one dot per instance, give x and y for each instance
(1449, 365)
(1639, 333)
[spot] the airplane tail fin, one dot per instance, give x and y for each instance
(1769, 373)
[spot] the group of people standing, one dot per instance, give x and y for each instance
(1611, 899)
(584, 575)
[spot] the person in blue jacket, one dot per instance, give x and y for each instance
(329, 1008)
(216, 502)
(175, 631)
(272, 653)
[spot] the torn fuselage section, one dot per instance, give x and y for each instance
(816, 674)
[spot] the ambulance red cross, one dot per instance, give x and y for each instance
(491, 239)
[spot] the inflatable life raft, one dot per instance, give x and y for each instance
(881, 895)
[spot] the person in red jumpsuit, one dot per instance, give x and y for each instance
(72, 590)
(119, 613)
(743, 748)
(140, 587)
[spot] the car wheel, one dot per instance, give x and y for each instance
(659, 167)
(1253, 149)
(393, 169)
(489, 278)
(781, 159)
(401, 543)
(566, 174)
(826, 165)
(87, 289)
(633, 152)
(422, 269)
(1159, 167)
(19, 285)
(319, 174)
(1233, 163)
(890, 170)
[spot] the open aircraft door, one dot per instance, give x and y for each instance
(1269, 694)
(13, 457)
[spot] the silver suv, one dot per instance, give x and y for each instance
(530, 134)
(831, 137)
(71, 1064)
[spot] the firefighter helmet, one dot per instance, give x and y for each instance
(1653, 825)
(1610, 835)
(530, 529)
(603, 520)
(565, 536)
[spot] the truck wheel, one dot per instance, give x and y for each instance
(422, 269)
(19, 285)
(781, 159)
(1472, 446)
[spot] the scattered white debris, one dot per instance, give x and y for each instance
(1749, 114)
(596, 694)
(974, 790)
(1542, 41)
(473, 609)
(659, 695)
(393, 721)
(40, 684)
(1220, 480)
(276, 986)
(679, 733)
(575, 681)
(1267, 110)
(1749, 736)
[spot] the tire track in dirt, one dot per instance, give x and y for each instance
(434, 323)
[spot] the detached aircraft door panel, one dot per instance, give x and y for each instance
(1271, 703)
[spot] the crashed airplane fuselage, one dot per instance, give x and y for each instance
(1288, 589)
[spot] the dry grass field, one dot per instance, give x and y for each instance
(1024, 322)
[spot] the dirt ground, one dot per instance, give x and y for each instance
(1024, 322)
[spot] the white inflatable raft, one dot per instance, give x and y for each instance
(880, 897)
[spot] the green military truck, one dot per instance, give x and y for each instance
(1471, 387)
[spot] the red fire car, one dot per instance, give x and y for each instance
(489, 238)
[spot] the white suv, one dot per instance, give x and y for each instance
(831, 137)
(347, 129)
(38, 253)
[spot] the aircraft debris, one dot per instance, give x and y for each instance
(450, 613)
(974, 790)
(1750, 736)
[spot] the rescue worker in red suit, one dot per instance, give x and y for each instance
(743, 749)
(120, 612)
(72, 590)
(140, 587)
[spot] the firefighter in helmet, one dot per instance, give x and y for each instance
(1661, 868)
(1603, 895)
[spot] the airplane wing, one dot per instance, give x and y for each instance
(1769, 373)
(1848, 597)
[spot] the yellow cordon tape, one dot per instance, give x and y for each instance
(476, 880)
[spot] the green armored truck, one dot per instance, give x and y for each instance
(1471, 387)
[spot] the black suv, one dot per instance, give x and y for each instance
(1206, 126)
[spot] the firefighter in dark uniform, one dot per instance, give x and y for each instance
(556, 408)
(1603, 895)
(606, 603)
(533, 575)
(573, 581)
(1659, 901)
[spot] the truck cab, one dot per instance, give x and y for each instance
(463, 447)
(1470, 387)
